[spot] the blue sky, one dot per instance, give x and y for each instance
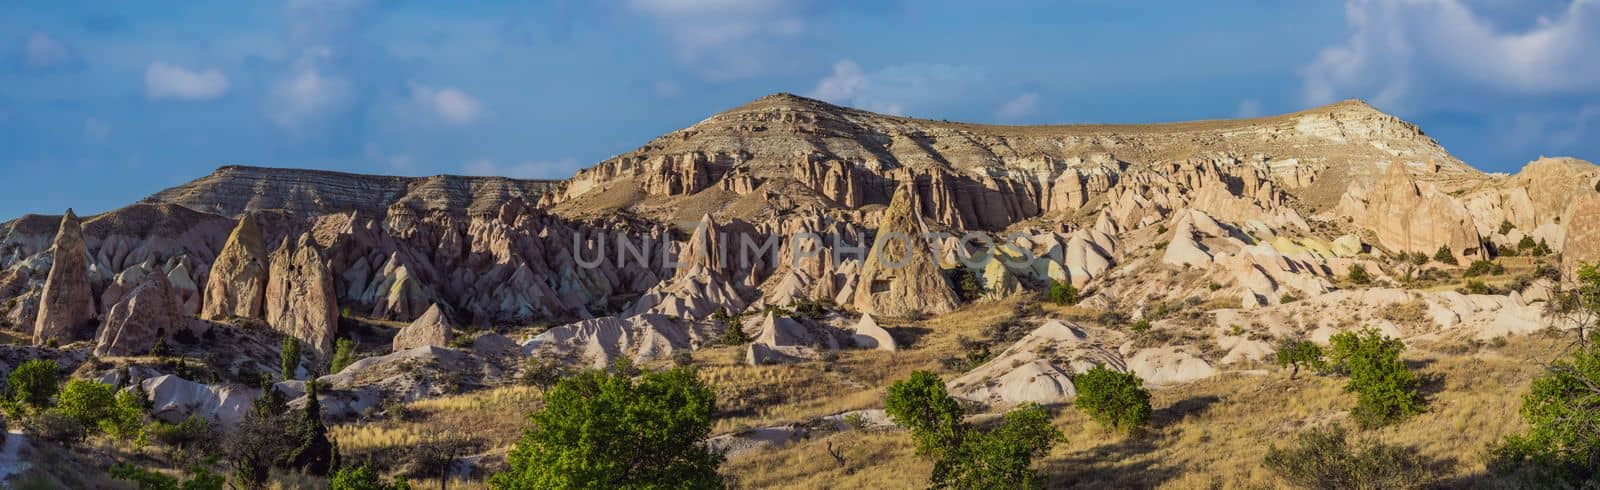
(104, 102)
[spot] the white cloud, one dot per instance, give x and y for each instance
(41, 50)
(306, 95)
(1396, 46)
(846, 81)
(552, 169)
(167, 81)
(450, 105)
(896, 89)
(1249, 108)
(1022, 107)
(728, 39)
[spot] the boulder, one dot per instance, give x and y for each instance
(67, 304)
(1347, 246)
(868, 335)
(173, 399)
(432, 328)
(236, 286)
(900, 276)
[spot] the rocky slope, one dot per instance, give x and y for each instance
(1222, 236)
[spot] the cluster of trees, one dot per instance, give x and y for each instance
(70, 412)
(964, 456)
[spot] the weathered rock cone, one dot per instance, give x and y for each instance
(67, 305)
(300, 300)
(145, 314)
(432, 328)
(900, 276)
(237, 283)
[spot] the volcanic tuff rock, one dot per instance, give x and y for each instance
(67, 304)
(900, 277)
(236, 286)
(432, 328)
(300, 299)
(1411, 217)
(1582, 242)
(148, 313)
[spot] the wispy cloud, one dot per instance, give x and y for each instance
(1022, 107)
(168, 81)
(729, 39)
(451, 105)
(41, 51)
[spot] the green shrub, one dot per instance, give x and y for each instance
(1063, 294)
(33, 383)
(1542, 249)
(1526, 243)
(1417, 258)
(125, 419)
(734, 335)
(969, 287)
(363, 477)
(599, 429)
(1358, 275)
(344, 353)
(1295, 354)
(1505, 227)
(54, 426)
(86, 402)
(194, 432)
(1561, 410)
(1288, 298)
(1001, 457)
(289, 357)
(1325, 459)
(922, 406)
(964, 457)
(805, 308)
(1476, 287)
(1483, 268)
(1444, 256)
(1386, 391)
(1141, 326)
(199, 478)
(1116, 400)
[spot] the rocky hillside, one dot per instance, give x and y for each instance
(1218, 239)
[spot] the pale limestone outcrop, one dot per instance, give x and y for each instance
(300, 299)
(174, 399)
(236, 285)
(432, 328)
(784, 339)
(66, 307)
(900, 276)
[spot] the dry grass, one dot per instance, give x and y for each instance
(1209, 434)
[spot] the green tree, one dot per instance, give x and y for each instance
(311, 451)
(199, 478)
(1444, 256)
(1359, 275)
(923, 406)
(33, 383)
(1114, 399)
(258, 440)
(289, 357)
(1579, 305)
(1562, 408)
(1324, 458)
(86, 402)
(1063, 294)
(1386, 391)
(1001, 457)
(125, 419)
(363, 477)
(1295, 354)
(604, 430)
(1526, 243)
(1542, 249)
(344, 353)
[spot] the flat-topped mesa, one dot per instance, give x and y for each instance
(788, 148)
(234, 190)
(67, 305)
